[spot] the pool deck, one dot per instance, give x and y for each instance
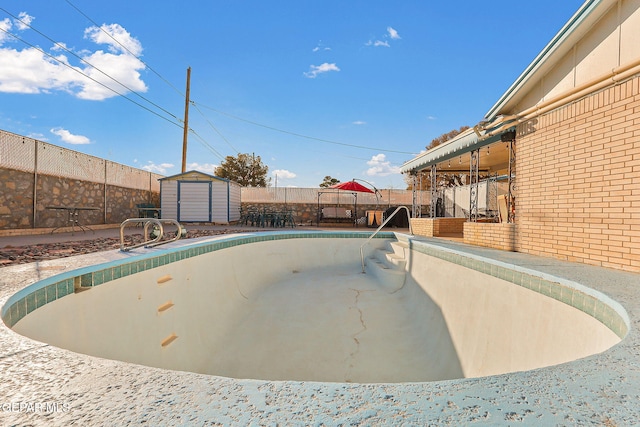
(44, 385)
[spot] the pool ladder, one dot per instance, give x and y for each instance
(154, 224)
(380, 228)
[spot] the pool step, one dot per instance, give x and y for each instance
(388, 265)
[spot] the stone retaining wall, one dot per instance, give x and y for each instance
(307, 213)
(17, 193)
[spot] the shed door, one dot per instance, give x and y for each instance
(194, 201)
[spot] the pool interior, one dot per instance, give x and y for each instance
(346, 326)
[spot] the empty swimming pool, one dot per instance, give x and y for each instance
(296, 306)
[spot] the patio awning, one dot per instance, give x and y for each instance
(465, 142)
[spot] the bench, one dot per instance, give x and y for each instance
(337, 214)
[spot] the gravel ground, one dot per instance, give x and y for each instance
(12, 255)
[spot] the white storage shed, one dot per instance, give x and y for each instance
(199, 197)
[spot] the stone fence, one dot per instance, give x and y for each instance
(35, 176)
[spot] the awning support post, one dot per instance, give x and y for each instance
(473, 185)
(511, 196)
(434, 192)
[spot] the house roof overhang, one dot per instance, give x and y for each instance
(575, 29)
(499, 118)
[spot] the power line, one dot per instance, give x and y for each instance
(229, 115)
(304, 136)
(89, 77)
(125, 48)
(214, 128)
(61, 46)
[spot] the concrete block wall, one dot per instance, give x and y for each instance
(578, 191)
(492, 235)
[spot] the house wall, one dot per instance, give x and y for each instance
(500, 235)
(613, 41)
(578, 192)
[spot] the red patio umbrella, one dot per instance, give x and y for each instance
(351, 186)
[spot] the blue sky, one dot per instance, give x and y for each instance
(350, 89)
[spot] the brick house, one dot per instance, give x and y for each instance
(566, 134)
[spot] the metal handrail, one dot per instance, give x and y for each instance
(380, 228)
(148, 243)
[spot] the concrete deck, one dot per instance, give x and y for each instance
(602, 389)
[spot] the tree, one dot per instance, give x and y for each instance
(445, 137)
(245, 169)
(328, 182)
(444, 179)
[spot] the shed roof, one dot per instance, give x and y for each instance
(194, 175)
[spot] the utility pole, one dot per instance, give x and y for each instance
(186, 123)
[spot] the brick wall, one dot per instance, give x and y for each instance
(578, 181)
(434, 227)
(492, 235)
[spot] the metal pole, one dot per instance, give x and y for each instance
(105, 192)
(414, 204)
(511, 201)
(35, 183)
(473, 185)
(434, 194)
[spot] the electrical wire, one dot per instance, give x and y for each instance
(63, 47)
(227, 114)
(126, 48)
(214, 128)
(90, 78)
(196, 105)
(304, 136)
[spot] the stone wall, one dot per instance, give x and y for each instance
(17, 193)
(306, 213)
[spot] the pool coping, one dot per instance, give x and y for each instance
(598, 389)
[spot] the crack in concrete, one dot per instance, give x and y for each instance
(353, 354)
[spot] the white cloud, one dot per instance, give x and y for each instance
(115, 37)
(393, 34)
(320, 47)
(159, 169)
(378, 43)
(283, 174)
(23, 21)
(206, 167)
(314, 70)
(359, 123)
(5, 25)
(70, 138)
(380, 166)
(30, 70)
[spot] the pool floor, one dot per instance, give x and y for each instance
(341, 327)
